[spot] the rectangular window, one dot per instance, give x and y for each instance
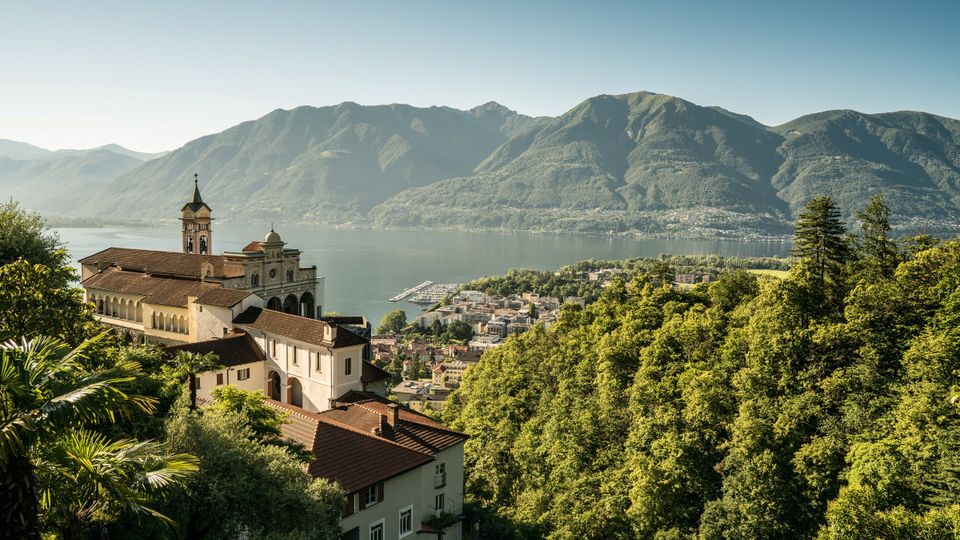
(348, 366)
(440, 476)
(243, 374)
(294, 359)
(317, 357)
(369, 496)
(219, 379)
(406, 521)
(197, 382)
(225, 331)
(376, 530)
(438, 503)
(273, 347)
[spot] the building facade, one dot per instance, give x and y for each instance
(159, 295)
(259, 311)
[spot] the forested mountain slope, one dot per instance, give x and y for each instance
(790, 409)
(328, 164)
(645, 161)
(639, 162)
(54, 183)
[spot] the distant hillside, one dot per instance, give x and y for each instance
(116, 149)
(641, 162)
(319, 164)
(21, 150)
(54, 184)
(653, 163)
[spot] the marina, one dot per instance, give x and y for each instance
(434, 293)
(410, 291)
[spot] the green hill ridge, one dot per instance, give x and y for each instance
(632, 163)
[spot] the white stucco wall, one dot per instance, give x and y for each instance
(318, 386)
(414, 488)
(208, 380)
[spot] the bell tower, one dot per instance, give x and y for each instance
(196, 223)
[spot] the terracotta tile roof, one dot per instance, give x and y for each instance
(222, 297)
(294, 326)
(166, 263)
(344, 453)
(252, 247)
(416, 431)
(232, 350)
(155, 290)
(372, 373)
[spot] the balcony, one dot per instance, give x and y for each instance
(439, 480)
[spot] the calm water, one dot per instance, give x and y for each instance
(365, 267)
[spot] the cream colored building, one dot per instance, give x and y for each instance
(411, 467)
(157, 295)
(258, 311)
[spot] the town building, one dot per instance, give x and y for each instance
(159, 295)
(258, 311)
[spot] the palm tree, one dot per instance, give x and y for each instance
(85, 476)
(187, 364)
(45, 392)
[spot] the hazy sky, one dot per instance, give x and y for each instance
(152, 76)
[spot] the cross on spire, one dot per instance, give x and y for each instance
(196, 189)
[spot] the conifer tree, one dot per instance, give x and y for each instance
(880, 252)
(819, 238)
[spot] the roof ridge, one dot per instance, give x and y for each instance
(348, 427)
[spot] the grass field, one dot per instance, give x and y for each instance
(779, 274)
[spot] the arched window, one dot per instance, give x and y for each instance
(289, 275)
(296, 392)
(254, 280)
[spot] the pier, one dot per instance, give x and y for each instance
(412, 290)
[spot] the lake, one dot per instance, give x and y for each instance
(364, 268)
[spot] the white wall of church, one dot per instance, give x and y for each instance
(321, 373)
(230, 375)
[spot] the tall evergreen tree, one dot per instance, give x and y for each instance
(879, 251)
(819, 238)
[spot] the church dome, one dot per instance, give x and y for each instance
(272, 237)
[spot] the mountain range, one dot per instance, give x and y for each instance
(640, 162)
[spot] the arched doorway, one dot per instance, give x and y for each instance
(273, 385)
(274, 304)
(306, 305)
(296, 392)
(291, 305)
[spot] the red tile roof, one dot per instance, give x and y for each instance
(161, 263)
(253, 247)
(416, 431)
(222, 297)
(234, 349)
(155, 290)
(355, 446)
(344, 453)
(294, 326)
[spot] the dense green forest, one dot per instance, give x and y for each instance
(823, 405)
(102, 439)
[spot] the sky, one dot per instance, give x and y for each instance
(154, 75)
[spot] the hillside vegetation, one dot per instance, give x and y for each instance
(822, 405)
(634, 163)
(653, 163)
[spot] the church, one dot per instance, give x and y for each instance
(260, 312)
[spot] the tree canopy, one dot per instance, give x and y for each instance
(822, 405)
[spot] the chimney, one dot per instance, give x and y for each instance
(333, 403)
(383, 425)
(394, 419)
